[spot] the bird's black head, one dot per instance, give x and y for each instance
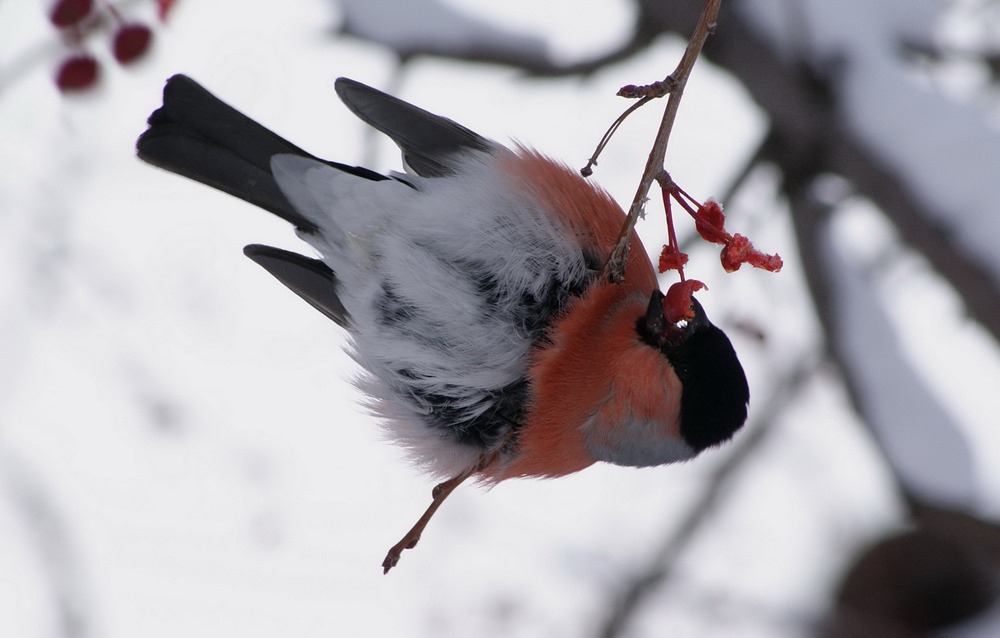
(715, 395)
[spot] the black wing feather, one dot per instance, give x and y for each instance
(309, 278)
(429, 142)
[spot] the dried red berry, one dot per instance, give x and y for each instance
(740, 251)
(131, 42)
(66, 13)
(77, 73)
(736, 253)
(677, 301)
(711, 223)
(771, 263)
(672, 259)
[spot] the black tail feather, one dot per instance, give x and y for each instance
(196, 135)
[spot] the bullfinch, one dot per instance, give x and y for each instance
(470, 288)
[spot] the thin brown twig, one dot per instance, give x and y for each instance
(614, 269)
(587, 170)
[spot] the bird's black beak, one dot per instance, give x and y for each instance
(700, 319)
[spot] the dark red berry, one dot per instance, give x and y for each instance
(77, 72)
(131, 42)
(66, 13)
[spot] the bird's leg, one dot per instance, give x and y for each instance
(409, 541)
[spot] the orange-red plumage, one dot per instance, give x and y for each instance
(588, 372)
(586, 207)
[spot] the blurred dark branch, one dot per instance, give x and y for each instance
(660, 567)
(974, 283)
(933, 53)
(645, 31)
(809, 216)
(979, 537)
(809, 139)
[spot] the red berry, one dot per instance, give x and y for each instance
(710, 223)
(672, 259)
(736, 253)
(131, 42)
(677, 301)
(740, 251)
(66, 13)
(77, 72)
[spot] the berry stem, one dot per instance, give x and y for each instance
(113, 12)
(666, 188)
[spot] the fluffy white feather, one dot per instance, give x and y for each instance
(434, 273)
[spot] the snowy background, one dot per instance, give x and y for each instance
(181, 452)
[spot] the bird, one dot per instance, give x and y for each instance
(470, 288)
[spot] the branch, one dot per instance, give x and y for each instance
(510, 52)
(614, 269)
(52, 539)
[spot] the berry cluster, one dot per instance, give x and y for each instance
(710, 223)
(75, 19)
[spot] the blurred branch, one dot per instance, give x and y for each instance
(51, 536)
(808, 138)
(510, 50)
(977, 537)
(660, 567)
(978, 288)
